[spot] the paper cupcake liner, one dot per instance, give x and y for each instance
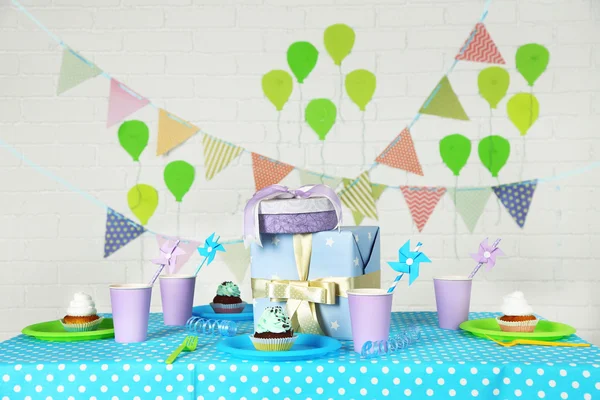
(273, 344)
(228, 308)
(517, 326)
(87, 327)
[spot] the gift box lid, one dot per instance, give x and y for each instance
(295, 206)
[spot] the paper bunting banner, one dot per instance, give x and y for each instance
(421, 201)
(187, 250)
(443, 102)
(311, 178)
(401, 154)
(120, 230)
(480, 47)
(172, 131)
(516, 198)
(74, 71)
(470, 204)
(376, 190)
(237, 258)
(122, 102)
(217, 155)
(268, 171)
(357, 195)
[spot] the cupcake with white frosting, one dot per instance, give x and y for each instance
(518, 314)
(81, 314)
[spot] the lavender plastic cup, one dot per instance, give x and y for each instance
(370, 315)
(131, 311)
(453, 300)
(177, 294)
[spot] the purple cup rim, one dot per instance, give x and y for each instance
(369, 292)
(177, 276)
(130, 286)
(452, 278)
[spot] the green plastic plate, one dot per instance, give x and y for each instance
(544, 330)
(53, 331)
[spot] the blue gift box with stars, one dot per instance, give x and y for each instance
(333, 259)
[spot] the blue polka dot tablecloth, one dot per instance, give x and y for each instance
(442, 365)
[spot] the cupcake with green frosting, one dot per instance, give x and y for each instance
(273, 331)
(227, 300)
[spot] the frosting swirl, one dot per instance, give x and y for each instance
(82, 305)
(515, 304)
(228, 289)
(274, 320)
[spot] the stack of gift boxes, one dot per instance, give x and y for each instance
(304, 260)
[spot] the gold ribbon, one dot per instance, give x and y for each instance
(302, 295)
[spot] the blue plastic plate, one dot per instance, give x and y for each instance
(207, 312)
(306, 347)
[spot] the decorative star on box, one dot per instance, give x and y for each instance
(487, 254)
(409, 262)
(168, 254)
(211, 246)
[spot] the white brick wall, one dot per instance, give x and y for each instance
(203, 60)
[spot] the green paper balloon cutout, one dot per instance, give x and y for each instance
(455, 151)
(133, 137)
(532, 60)
(179, 176)
(493, 84)
(320, 115)
(277, 86)
(494, 152)
(302, 58)
(360, 86)
(523, 110)
(339, 41)
(142, 200)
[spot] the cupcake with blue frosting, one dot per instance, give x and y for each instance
(228, 300)
(273, 331)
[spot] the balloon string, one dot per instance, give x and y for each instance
(178, 219)
(300, 115)
(499, 205)
(278, 134)
(364, 156)
(341, 93)
(137, 181)
(491, 163)
(322, 160)
(455, 218)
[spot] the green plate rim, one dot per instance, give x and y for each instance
(568, 330)
(70, 336)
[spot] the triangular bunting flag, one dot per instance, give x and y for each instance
(516, 198)
(377, 190)
(120, 230)
(237, 258)
(470, 204)
(401, 154)
(312, 178)
(421, 202)
(480, 47)
(268, 171)
(443, 102)
(357, 195)
(217, 155)
(122, 102)
(172, 131)
(75, 70)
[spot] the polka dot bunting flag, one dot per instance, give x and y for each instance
(120, 230)
(401, 154)
(516, 198)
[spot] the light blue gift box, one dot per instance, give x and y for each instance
(352, 251)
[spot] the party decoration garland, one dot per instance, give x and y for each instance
(172, 131)
(122, 102)
(74, 71)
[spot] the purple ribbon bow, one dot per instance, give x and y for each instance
(251, 228)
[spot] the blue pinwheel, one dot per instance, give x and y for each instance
(408, 264)
(209, 251)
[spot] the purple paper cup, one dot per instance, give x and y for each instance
(452, 299)
(177, 295)
(370, 315)
(131, 311)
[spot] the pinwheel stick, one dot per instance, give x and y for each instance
(156, 274)
(200, 266)
(395, 283)
(472, 274)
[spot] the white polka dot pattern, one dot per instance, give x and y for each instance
(443, 364)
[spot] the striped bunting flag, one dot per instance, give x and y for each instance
(376, 190)
(421, 202)
(357, 195)
(217, 155)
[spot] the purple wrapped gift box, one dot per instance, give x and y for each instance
(296, 215)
